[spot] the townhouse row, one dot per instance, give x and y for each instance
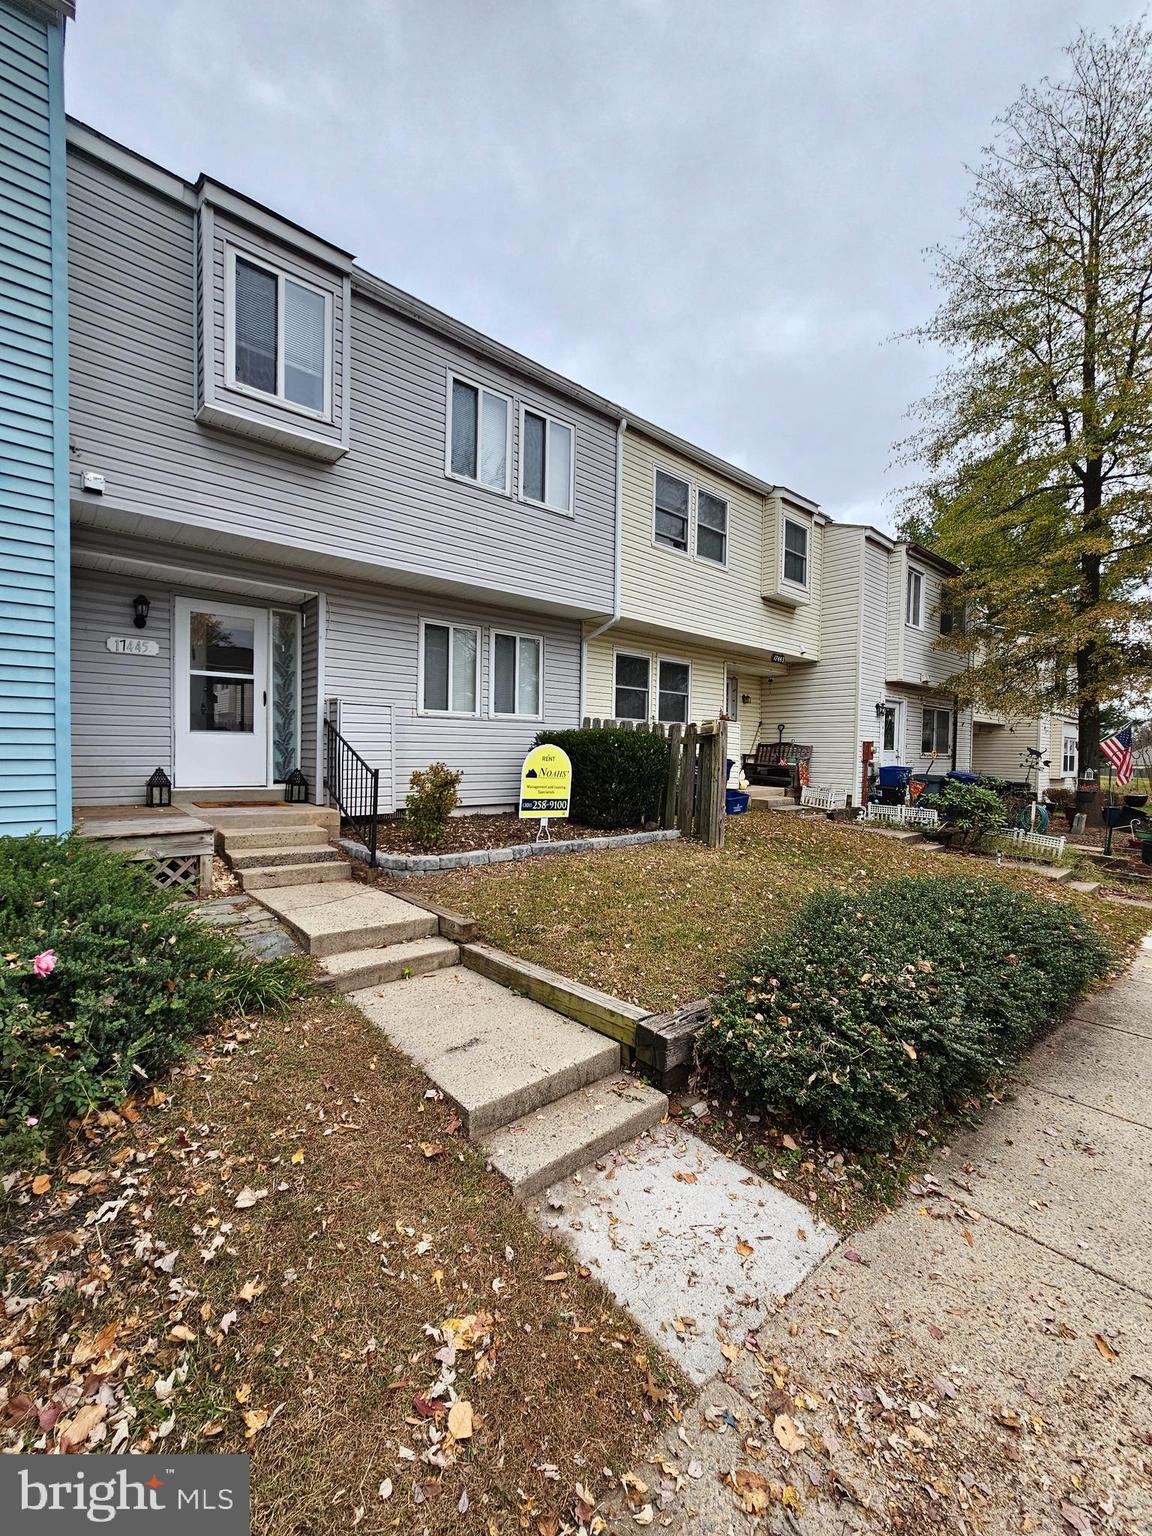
(249, 486)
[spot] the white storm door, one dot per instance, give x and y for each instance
(892, 734)
(221, 657)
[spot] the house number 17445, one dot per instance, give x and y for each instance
(129, 645)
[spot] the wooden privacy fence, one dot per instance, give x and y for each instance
(694, 793)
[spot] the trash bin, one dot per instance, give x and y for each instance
(736, 801)
(962, 776)
(893, 776)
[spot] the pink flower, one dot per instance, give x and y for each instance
(32, 1120)
(44, 963)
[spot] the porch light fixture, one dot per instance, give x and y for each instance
(880, 706)
(159, 786)
(296, 788)
(140, 607)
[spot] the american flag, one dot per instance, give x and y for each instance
(1118, 750)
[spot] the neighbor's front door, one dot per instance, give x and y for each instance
(891, 734)
(221, 695)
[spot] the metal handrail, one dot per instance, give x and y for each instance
(353, 785)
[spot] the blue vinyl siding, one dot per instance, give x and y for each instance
(35, 767)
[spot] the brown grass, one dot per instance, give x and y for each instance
(361, 1249)
(662, 924)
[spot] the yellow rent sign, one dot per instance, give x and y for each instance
(545, 784)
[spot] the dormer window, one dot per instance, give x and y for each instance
(281, 331)
(914, 604)
(795, 552)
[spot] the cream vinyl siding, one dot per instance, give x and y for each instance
(678, 591)
(706, 687)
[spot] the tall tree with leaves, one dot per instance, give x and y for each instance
(1036, 444)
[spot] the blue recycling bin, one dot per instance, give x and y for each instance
(961, 776)
(893, 776)
(736, 801)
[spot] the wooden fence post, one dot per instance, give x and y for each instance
(686, 806)
(672, 786)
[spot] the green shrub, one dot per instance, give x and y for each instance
(432, 797)
(875, 1011)
(618, 776)
(968, 808)
(135, 976)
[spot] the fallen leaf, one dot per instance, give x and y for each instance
(248, 1197)
(182, 1334)
(298, 1155)
(244, 1392)
(254, 1421)
(788, 1433)
(792, 1146)
(385, 1489)
(41, 1184)
(431, 1148)
(77, 1429)
(1105, 1348)
(684, 1178)
(556, 1276)
(460, 1420)
(744, 1248)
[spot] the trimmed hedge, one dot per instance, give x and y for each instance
(131, 976)
(876, 1011)
(618, 776)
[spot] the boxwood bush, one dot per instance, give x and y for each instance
(878, 1010)
(104, 981)
(618, 776)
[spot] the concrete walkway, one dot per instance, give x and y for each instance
(981, 1360)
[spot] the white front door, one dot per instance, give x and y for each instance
(221, 654)
(892, 733)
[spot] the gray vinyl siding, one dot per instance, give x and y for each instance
(372, 651)
(387, 501)
(121, 705)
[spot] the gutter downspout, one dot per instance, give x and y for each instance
(618, 511)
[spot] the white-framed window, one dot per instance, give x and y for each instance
(632, 685)
(936, 734)
(279, 336)
(711, 527)
(674, 691)
(671, 498)
(914, 600)
(1070, 755)
(547, 460)
(517, 675)
(795, 552)
(479, 437)
(449, 669)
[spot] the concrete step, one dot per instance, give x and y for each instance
(276, 818)
(236, 839)
(275, 876)
(494, 1054)
(1085, 887)
(330, 919)
(550, 1143)
(304, 853)
(359, 968)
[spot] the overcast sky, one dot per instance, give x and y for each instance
(712, 211)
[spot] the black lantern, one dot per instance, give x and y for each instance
(295, 788)
(159, 788)
(140, 607)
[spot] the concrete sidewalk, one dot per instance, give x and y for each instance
(981, 1360)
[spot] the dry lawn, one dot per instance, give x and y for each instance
(662, 924)
(289, 1250)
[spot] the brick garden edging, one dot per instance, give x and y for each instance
(403, 864)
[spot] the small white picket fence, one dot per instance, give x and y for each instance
(822, 797)
(1037, 845)
(901, 815)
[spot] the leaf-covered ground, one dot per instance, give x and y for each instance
(287, 1248)
(662, 924)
